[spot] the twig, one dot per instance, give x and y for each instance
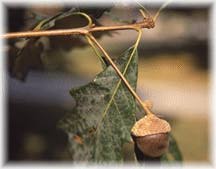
(146, 23)
(144, 106)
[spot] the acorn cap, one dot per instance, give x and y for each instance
(150, 124)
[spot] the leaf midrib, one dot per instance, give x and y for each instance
(116, 89)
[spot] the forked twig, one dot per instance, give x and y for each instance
(147, 22)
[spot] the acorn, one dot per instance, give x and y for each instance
(150, 135)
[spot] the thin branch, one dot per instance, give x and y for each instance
(146, 23)
(93, 40)
(144, 106)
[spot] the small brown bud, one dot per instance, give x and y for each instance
(150, 134)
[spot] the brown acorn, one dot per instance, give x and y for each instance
(150, 135)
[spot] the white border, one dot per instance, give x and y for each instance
(212, 35)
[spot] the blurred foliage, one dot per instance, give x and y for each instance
(29, 56)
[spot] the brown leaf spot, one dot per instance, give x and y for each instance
(77, 139)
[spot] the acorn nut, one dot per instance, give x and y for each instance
(150, 134)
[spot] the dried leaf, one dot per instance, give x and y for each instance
(29, 56)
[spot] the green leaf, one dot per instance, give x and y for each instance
(104, 113)
(174, 153)
(174, 149)
(48, 23)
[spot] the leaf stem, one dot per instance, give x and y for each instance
(143, 8)
(161, 8)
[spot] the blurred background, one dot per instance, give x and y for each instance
(174, 74)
